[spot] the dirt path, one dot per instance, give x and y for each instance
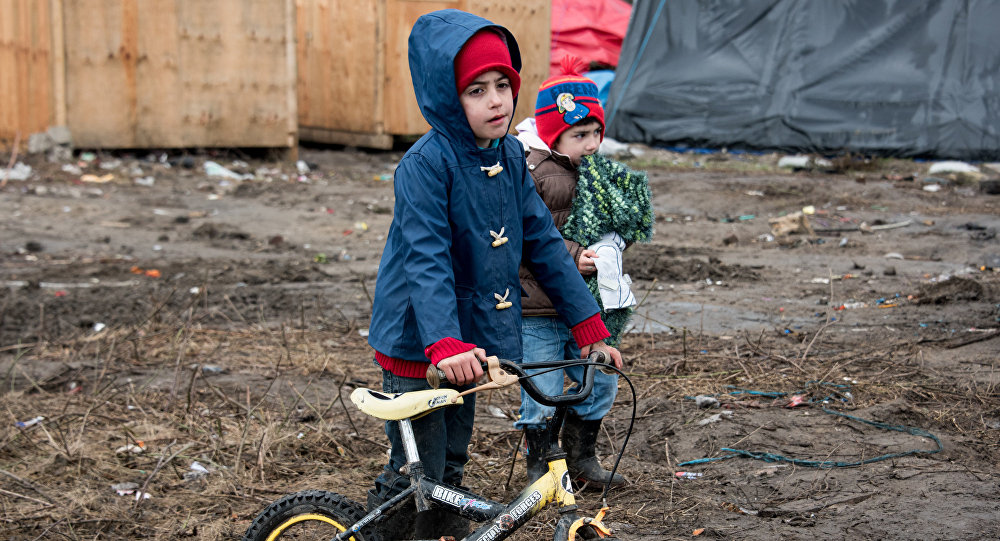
(220, 321)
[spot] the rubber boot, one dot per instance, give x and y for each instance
(397, 525)
(538, 440)
(579, 440)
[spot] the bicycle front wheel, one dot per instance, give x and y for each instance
(308, 515)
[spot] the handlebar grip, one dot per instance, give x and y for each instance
(435, 376)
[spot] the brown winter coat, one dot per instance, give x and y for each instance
(555, 180)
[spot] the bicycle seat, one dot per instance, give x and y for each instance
(393, 407)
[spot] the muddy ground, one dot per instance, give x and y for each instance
(183, 319)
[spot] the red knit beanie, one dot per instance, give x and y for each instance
(565, 100)
(485, 51)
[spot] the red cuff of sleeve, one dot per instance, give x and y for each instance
(590, 331)
(446, 347)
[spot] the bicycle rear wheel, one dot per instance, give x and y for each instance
(308, 515)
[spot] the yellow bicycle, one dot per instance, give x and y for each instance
(317, 514)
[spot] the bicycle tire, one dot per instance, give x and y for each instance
(308, 515)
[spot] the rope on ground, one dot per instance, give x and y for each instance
(773, 457)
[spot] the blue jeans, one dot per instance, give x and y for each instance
(548, 339)
(442, 439)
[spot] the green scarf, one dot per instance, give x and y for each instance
(609, 197)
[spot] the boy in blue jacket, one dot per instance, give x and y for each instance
(466, 215)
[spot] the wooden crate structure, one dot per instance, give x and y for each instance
(160, 73)
(26, 68)
(354, 82)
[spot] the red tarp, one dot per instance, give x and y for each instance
(592, 30)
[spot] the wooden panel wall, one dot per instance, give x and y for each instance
(180, 73)
(26, 68)
(339, 59)
(354, 77)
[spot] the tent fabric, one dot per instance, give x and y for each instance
(592, 30)
(886, 77)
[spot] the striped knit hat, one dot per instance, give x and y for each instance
(565, 100)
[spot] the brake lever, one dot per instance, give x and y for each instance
(496, 378)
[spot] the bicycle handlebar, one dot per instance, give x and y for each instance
(435, 376)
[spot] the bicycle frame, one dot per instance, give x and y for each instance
(499, 520)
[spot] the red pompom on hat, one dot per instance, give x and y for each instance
(485, 51)
(565, 100)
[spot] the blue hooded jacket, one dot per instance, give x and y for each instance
(440, 274)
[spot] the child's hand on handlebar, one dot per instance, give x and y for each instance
(609, 352)
(466, 368)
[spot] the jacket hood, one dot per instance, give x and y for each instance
(434, 42)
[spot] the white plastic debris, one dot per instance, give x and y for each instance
(497, 412)
(705, 401)
(213, 169)
(794, 162)
(716, 418)
(18, 172)
(614, 148)
(932, 188)
(29, 422)
(197, 470)
(951, 167)
(130, 449)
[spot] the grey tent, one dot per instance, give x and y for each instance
(885, 77)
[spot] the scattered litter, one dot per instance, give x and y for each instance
(145, 181)
(705, 401)
(98, 327)
(131, 449)
(29, 422)
(213, 169)
(363, 332)
(951, 167)
(127, 489)
(687, 474)
(716, 418)
(383, 177)
(212, 369)
(932, 188)
(197, 471)
(302, 167)
(18, 172)
(755, 193)
(97, 179)
(768, 471)
(794, 162)
(496, 412)
(71, 169)
(795, 222)
(797, 400)
(893, 255)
